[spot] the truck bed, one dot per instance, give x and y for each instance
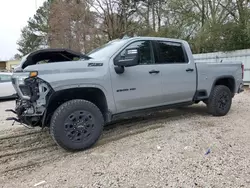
(208, 73)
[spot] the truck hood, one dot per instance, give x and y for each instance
(50, 55)
(65, 66)
(66, 73)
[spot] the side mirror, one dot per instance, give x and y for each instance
(131, 58)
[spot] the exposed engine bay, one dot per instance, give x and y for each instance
(31, 104)
(33, 92)
(50, 56)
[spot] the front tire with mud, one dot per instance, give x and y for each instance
(76, 125)
(220, 100)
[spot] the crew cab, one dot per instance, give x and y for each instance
(75, 95)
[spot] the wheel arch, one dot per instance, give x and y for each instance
(93, 94)
(226, 80)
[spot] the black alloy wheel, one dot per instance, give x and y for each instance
(76, 125)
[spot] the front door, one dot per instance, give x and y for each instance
(178, 72)
(139, 86)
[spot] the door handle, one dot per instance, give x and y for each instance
(189, 70)
(154, 72)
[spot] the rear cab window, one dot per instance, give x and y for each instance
(169, 53)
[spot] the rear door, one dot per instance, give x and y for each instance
(177, 71)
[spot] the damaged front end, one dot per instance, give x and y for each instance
(33, 93)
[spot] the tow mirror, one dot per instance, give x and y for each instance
(130, 58)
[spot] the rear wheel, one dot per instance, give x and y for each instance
(76, 125)
(220, 100)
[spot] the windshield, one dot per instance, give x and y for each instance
(107, 49)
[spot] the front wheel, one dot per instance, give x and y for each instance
(76, 125)
(220, 100)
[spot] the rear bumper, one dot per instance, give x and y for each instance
(241, 88)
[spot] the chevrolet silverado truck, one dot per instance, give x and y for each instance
(75, 95)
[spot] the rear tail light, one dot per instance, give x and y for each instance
(242, 68)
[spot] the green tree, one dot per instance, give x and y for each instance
(81, 25)
(28, 42)
(35, 35)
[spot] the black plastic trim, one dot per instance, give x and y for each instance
(148, 110)
(198, 97)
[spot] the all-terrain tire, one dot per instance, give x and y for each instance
(76, 125)
(220, 100)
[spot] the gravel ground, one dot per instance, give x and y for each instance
(3, 106)
(166, 149)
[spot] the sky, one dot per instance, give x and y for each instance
(14, 15)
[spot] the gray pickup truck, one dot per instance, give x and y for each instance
(75, 95)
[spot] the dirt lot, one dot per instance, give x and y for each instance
(165, 149)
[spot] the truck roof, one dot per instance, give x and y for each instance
(155, 38)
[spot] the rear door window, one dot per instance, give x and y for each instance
(170, 52)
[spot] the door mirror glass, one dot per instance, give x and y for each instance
(129, 57)
(136, 53)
